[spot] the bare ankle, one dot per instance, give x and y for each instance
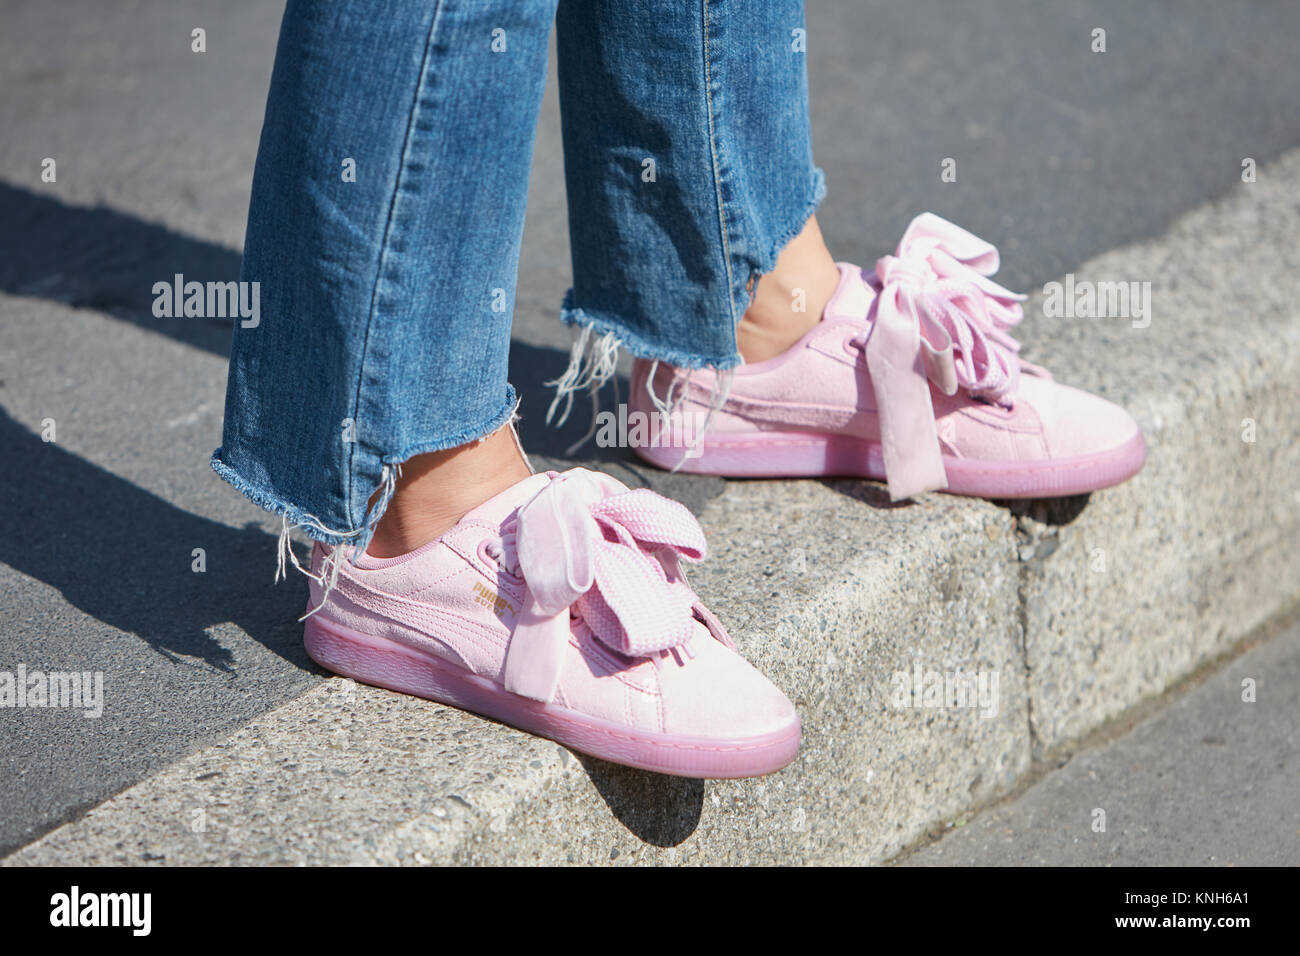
(789, 300)
(438, 489)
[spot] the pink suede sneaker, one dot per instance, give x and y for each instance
(911, 377)
(560, 607)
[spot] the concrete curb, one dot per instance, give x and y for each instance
(1208, 780)
(1081, 610)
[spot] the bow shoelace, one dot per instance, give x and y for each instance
(938, 318)
(587, 543)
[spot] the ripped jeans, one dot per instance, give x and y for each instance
(388, 205)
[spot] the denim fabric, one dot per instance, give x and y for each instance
(716, 95)
(386, 301)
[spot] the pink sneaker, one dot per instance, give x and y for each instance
(910, 377)
(560, 607)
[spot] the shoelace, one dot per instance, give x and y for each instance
(613, 554)
(940, 319)
(502, 548)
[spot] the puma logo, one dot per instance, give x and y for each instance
(490, 599)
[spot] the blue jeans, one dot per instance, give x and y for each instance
(388, 205)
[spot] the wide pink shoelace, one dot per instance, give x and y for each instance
(612, 554)
(940, 319)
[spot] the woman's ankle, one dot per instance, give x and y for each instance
(438, 489)
(789, 300)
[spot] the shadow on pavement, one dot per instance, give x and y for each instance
(1053, 512)
(98, 258)
(124, 556)
(657, 809)
(101, 259)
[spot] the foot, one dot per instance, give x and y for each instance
(435, 490)
(559, 606)
(910, 377)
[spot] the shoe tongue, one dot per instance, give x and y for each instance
(497, 509)
(594, 486)
(853, 296)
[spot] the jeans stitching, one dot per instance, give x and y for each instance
(717, 175)
(384, 244)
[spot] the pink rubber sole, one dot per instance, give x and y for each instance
(384, 663)
(813, 455)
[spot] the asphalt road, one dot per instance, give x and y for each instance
(1061, 153)
(1209, 781)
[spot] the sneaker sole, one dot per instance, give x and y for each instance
(812, 455)
(384, 663)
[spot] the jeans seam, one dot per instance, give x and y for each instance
(385, 243)
(717, 175)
